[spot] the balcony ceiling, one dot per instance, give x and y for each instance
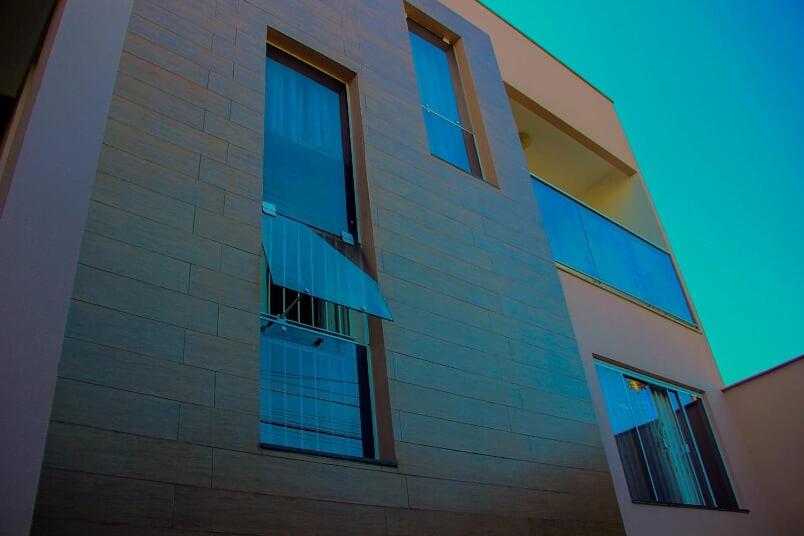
(557, 157)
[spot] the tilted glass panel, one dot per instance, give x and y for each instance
(662, 286)
(562, 223)
(590, 243)
(707, 448)
(626, 434)
(303, 170)
(301, 260)
(437, 93)
(310, 391)
(612, 254)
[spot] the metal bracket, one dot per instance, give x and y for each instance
(268, 208)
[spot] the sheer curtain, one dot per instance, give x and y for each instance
(438, 99)
(303, 167)
(666, 451)
(658, 448)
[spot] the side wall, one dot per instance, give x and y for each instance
(767, 410)
(618, 329)
(155, 424)
(51, 170)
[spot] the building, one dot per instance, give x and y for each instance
(354, 267)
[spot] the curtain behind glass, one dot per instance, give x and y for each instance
(437, 93)
(309, 392)
(665, 442)
(303, 170)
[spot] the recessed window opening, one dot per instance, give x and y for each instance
(666, 444)
(307, 166)
(446, 118)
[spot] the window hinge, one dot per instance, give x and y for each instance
(268, 208)
(348, 238)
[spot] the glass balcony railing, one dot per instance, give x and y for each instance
(597, 247)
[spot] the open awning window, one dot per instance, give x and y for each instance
(302, 260)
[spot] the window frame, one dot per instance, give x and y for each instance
(341, 88)
(468, 133)
(629, 373)
(364, 388)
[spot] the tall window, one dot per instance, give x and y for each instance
(666, 445)
(307, 163)
(449, 131)
(314, 348)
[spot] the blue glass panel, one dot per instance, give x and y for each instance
(564, 231)
(447, 140)
(434, 78)
(626, 434)
(586, 241)
(309, 394)
(303, 170)
(438, 99)
(612, 254)
(660, 279)
(301, 260)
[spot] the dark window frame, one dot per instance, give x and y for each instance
(365, 398)
(292, 62)
(457, 86)
(627, 373)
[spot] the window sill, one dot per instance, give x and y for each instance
(319, 454)
(463, 171)
(624, 295)
(692, 506)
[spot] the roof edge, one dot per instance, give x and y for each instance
(764, 372)
(570, 69)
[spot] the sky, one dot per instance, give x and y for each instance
(711, 96)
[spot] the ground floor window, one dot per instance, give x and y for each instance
(314, 375)
(666, 444)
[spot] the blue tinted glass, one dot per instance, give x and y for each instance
(437, 94)
(309, 391)
(434, 78)
(564, 231)
(660, 279)
(611, 251)
(301, 260)
(626, 434)
(303, 170)
(586, 241)
(446, 140)
(669, 456)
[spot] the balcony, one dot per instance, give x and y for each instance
(588, 242)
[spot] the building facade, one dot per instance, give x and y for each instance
(353, 267)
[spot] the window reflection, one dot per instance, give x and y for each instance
(666, 445)
(587, 242)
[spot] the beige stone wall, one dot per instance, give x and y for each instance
(610, 326)
(154, 426)
(768, 412)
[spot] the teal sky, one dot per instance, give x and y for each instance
(711, 96)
